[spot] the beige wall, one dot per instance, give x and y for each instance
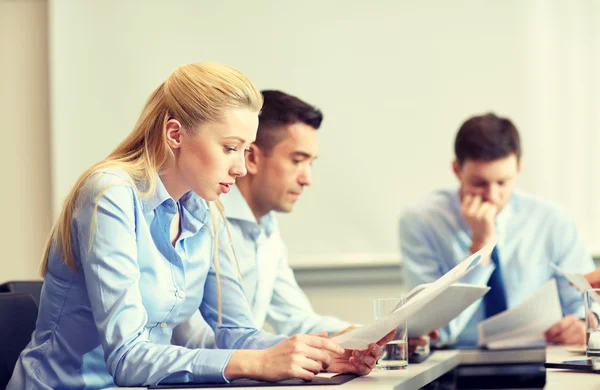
(352, 302)
(25, 160)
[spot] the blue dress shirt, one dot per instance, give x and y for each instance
(434, 237)
(269, 283)
(111, 321)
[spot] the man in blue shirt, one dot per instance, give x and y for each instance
(447, 226)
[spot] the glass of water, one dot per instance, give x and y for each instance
(395, 353)
(592, 316)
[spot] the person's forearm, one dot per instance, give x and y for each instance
(243, 364)
(479, 243)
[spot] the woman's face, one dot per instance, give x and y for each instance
(210, 160)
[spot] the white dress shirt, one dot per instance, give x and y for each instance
(269, 283)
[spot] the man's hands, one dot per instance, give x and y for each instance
(570, 330)
(422, 341)
(481, 218)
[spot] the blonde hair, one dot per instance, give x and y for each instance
(193, 94)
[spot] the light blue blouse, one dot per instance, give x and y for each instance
(269, 282)
(111, 321)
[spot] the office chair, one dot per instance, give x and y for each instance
(18, 314)
(32, 287)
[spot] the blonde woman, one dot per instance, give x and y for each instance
(134, 252)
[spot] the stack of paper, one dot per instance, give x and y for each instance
(525, 324)
(360, 338)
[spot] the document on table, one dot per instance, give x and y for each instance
(361, 337)
(525, 323)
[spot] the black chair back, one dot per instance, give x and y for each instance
(33, 287)
(18, 314)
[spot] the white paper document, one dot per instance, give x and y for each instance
(524, 324)
(443, 308)
(577, 280)
(360, 338)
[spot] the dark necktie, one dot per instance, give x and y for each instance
(495, 300)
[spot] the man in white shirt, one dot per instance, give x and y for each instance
(279, 169)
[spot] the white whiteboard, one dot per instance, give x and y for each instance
(394, 80)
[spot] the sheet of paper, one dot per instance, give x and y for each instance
(445, 307)
(577, 280)
(517, 342)
(360, 338)
(524, 323)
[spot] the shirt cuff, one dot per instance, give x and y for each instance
(210, 365)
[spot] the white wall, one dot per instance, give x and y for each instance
(25, 194)
(395, 80)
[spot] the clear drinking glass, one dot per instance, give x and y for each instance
(395, 353)
(592, 315)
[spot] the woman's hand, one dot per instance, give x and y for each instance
(300, 356)
(359, 362)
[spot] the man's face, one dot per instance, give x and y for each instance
(493, 180)
(282, 174)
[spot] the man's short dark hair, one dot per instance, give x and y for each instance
(279, 110)
(486, 138)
